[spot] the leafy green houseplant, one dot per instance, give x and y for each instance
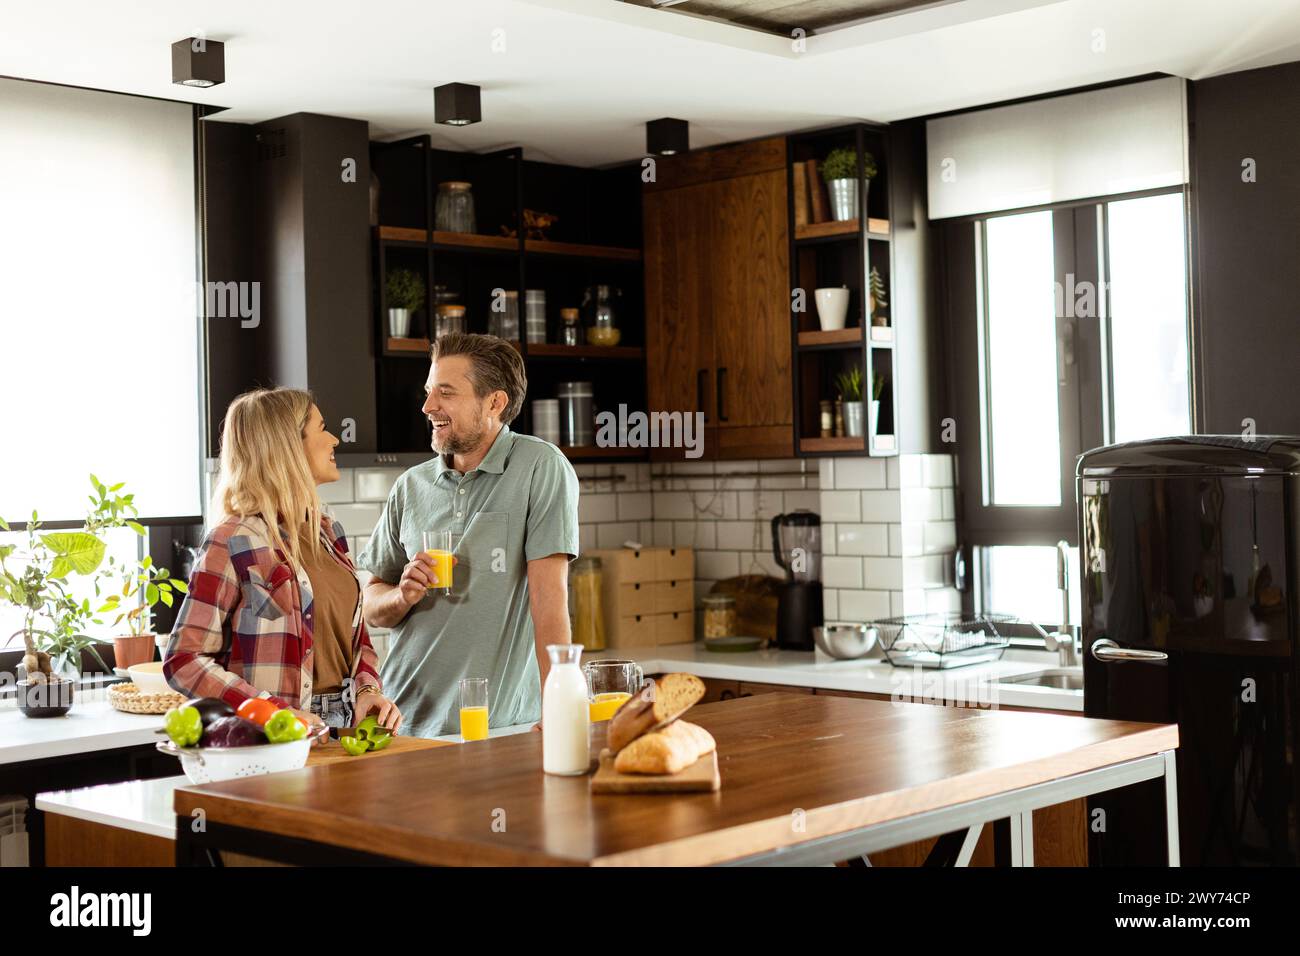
(840, 171)
(849, 385)
(404, 290)
(842, 163)
(36, 579)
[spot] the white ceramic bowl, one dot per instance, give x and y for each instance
(832, 307)
(149, 678)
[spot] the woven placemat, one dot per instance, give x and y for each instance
(128, 698)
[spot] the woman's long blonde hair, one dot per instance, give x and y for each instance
(264, 469)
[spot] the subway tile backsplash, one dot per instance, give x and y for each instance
(888, 524)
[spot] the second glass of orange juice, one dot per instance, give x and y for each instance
(474, 708)
(439, 546)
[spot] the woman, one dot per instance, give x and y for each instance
(274, 606)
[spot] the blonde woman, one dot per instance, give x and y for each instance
(274, 606)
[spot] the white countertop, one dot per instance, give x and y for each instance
(976, 685)
(92, 724)
(146, 806)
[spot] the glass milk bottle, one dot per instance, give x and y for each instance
(566, 717)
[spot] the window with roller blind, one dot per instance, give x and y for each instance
(98, 316)
(98, 311)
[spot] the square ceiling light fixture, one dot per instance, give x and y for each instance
(666, 137)
(197, 61)
(457, 104)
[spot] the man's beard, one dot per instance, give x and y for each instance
(455, 444)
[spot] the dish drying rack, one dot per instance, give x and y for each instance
(943, 640)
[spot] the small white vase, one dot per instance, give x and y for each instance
(832, 307)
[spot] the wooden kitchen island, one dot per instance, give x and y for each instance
(805, 780)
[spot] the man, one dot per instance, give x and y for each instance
(513, 499)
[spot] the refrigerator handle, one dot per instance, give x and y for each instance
(1108, 652)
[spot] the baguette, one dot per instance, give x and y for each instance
(656, 706)
(670, 750)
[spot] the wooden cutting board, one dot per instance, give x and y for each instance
(701, 776)
(332, 751)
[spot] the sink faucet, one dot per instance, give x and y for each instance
(1063, 641)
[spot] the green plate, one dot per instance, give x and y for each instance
(732, 645)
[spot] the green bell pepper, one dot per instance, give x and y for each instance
(184, 725)
(354, 746)
(284, 727)
(377, 737)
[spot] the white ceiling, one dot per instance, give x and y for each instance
(575, 80)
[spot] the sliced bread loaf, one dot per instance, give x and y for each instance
(670, 750)
(658, 704)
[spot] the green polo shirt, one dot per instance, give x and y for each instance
(518, 505)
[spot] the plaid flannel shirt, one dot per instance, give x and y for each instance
(245, 627)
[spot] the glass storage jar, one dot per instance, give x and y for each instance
(719, 615)
(454, 209)
(587, 611)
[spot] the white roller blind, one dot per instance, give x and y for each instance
(1101, 143)
(98, 334)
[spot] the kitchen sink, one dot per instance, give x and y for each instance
(1062, 678)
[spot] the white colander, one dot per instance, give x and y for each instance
(211, 764)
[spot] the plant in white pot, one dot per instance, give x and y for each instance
(877, 389)
(404, 292)
(840, 172)
(849, 386)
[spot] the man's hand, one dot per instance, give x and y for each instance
(386, 605)
(417, 578)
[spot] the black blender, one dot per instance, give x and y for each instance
(797, 546)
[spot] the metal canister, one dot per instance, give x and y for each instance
(577, 418)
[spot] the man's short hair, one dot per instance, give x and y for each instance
(494, 365)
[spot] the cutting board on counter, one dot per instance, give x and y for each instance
(333, 752)
(700, 777)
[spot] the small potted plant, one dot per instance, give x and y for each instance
(876, 297)
(840, 172)
(877, 389)
(404, 292)
(144, 585)
(849, 386)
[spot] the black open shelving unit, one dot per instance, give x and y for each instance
(834, 254)
(596, 239)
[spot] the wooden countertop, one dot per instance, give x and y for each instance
(846, 763)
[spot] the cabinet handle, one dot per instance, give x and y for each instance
(722, 415)
(699, 391)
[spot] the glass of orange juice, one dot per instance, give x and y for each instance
(474, 708)
(609, 685)
(439, 546)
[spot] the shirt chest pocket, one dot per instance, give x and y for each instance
(265, 599)
(483, 554)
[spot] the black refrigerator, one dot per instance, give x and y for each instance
(1191, 553)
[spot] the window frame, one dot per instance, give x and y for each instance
(1085, 397)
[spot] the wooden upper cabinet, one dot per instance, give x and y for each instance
(679, 335)
(717, 283)
(750, 275)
